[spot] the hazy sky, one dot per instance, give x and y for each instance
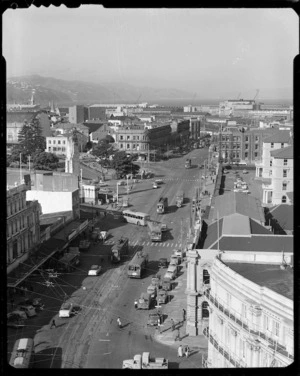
(202, 50)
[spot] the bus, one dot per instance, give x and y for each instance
(22, 354)
(137, 218)
(155, 232)
(137, 265)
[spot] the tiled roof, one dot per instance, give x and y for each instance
(236, 202)
(284, 153)
(20, 117)
(270, 276)
(278, 137)
(284, 215)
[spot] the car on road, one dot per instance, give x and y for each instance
(163, 227)
(28, 309)
(152, 291)
(154, 186)
(166, 283)
(66, 310)
(95, 270)
(174, 260)
(171, 272)
(154, 319)
(162, 262)
(162, 297)
(144, 301)
(158, 181)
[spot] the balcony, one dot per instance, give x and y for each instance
(273, 344)
(222, 351)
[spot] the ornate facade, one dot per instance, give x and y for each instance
(22, 228)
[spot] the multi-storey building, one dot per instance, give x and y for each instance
(22, 226)
(275, 140)
(281, 177)
(132, 139)
(77, 114)
(57, 145)
(96, 112)
(232, 106)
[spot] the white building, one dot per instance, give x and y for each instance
(282, 177)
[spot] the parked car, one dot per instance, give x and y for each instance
(158, 181)
(166, 283)
(154, 319)
(162, 297)
(179, 253)
(162, 262)
(152, 291)
(36, 303)
(154, 185)
(28, 309)
(163, 227)
(17, 313)
(171, 272)
(245, 172)
(174, 260)
(156, 281)
(95, 270)
(66, 310)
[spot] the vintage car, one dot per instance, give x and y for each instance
(66, 310)
(162, 297)
(178, 253)
(162, 262)
(154, 319)
(156, 281)
(172, 272)
(144, 301)
(175, 259)
(94, 270)
(163, 227)
(152, 291)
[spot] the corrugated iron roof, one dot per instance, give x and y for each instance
(278, 137)
(284, 153)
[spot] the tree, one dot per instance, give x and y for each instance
(123, 164)
(109, 139)
(15, 155)
(45, 161)
(31, 139)
(88, 146)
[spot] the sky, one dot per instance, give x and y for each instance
(204, 51)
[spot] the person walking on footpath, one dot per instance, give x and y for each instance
(53, 324)
(135, 304)
(119, 322)
(183, 315)
(177, 338)
(180, 351)
(187, 351)
(173, 325)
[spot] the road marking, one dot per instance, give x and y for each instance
(163, 244)
(106, 353)
(172, 245)
(143, 243)
(104, 340)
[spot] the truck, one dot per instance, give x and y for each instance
(155, 231)
(180, 199)
(143, 361)
(188, 163)
(162, 205)
(144, 301)
(119, 249)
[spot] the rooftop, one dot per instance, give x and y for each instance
(281, 136)
(236, 202)
(270, 276)
(284, 153)
(20, 117)
(284, 215)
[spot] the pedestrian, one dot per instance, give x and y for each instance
(53, 324)
(177, 338)
(183, 314)
(135, 304)
(173, 325)
(180, 351)
(119, 322)
(187, 351)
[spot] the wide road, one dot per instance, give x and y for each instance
(91, 339)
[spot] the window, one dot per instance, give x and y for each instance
(49, 142)
(276, 328)
(246, 155)
(206, 276)
(284, 185)
(49, 148)
(272, 145)
(133, 137)
(255, 155)
(283, 199)
(244, 311)
(54, 142)
(121, 137)
(237, 154)
(205, 312)
(284, 173)
(128, 137)
(285, 162)
(64, 142)
(266, 322)
(256, 147)
(246, 146)
(247, 138)
(58, 142)
(63, 149)
(271, 163)
(282, 145)
(128, 146)
(256, 138)
(270, 173)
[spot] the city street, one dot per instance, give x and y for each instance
(92, 339)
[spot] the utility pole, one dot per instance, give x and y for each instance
(181, 235)
(29, 162)
(20, 168)
(81, 185)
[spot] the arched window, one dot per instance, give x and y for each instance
(283, 199)
(205, 311)
(206, 277)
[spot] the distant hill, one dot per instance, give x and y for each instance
(62, 92)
